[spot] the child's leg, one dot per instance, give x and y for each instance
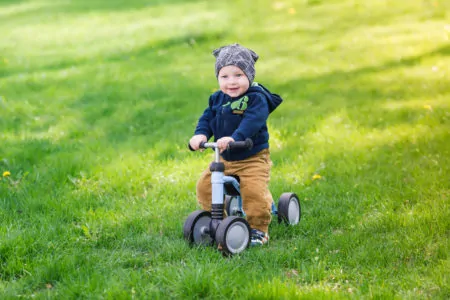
(254, 173)
(204, 190)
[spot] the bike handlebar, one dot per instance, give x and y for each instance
(247, 144)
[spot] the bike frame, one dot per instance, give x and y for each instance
(219, 181)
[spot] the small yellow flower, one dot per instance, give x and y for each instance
(6, 174)
(426, 106)
(316, 176)
(292, 11)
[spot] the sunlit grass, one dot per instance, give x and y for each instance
(97, 103)
(60, 36)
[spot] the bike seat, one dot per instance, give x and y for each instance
(230, 188)
(236, 177)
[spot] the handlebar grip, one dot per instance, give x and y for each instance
(247, 144)
(201, 146)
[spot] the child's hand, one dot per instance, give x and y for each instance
(222, 143)
(196, 140)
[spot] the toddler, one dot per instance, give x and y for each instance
(239, 110)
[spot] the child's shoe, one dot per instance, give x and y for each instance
(259, 238)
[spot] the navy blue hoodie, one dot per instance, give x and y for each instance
(242, 117)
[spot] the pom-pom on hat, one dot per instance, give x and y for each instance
(239, 56)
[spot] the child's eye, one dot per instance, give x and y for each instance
(238, 75)
(224, 76)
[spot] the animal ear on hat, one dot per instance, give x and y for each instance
(254, 55)
(216, 52)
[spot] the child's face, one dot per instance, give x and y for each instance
(233, 81)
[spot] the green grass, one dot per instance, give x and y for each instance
(99, 98)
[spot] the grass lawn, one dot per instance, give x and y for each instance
(98, 100)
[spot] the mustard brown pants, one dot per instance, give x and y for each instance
(254, 174)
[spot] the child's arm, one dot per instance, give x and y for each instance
(203, 131)
(254, 118)
(203, 122)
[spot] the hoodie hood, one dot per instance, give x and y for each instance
(273, 100)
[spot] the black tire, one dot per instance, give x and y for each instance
(289, 209)
(232, 206)
(196, 228)
(233, 235)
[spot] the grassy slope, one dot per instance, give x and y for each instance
(99, 99)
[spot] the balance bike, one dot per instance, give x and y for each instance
(232, 233)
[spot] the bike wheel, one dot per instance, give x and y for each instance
(196, 228)
(233, 235)
(289, 209)
(232, 206)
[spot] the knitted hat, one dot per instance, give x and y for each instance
(236, 55)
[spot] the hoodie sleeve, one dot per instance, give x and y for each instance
(204, 120)
(254, 118)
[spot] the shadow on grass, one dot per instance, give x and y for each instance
(150, 51)
(368, 210)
